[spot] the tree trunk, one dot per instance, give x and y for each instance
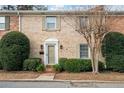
(95, 59)
(92, 60)
(96, 62)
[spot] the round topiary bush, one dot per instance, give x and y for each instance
(113, 51)
(15, 48)
(113, 44)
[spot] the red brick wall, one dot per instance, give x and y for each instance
(14, 25)
(117, 24)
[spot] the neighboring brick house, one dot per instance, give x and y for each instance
(50, 36)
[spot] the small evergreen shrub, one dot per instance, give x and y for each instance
(62, 62)
(57, 68)
(31, 64)
(1, 67)
(40, 68)
(101, 66)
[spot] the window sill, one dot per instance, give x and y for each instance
(2, 29)
(51, 30)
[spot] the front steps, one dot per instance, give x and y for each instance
(49, 69)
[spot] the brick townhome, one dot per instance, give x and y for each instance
(50, 36)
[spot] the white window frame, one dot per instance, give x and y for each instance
(55, 23)
(89, 57)
(4, 22)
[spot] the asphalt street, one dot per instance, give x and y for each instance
(63, 84)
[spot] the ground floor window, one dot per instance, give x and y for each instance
(84, 51)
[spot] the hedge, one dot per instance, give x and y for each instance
(62, 62)
(115, 63)
(15, 48)
(57, 68)
(77, 65)
(31, 64)
(40, 68)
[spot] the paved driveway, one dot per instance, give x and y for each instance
(63, 84)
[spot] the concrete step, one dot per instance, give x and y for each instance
(49, 69)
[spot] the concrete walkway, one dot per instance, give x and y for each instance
(46, 76)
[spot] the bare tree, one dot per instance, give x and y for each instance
(93, 25)
(31, 7)
(40, 7)
(24, 7)
(8, 7)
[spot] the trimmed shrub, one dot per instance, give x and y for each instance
(40, 68)
(85, 65)
(31, 64)
(1, 66)
(78, 65)
(0, 61)
(101, 66)
(113, 50)
(57, 68)
(11, 58)
(15, 48)
(115, 63)
(72, 66)
(62, 62)
(113, 44)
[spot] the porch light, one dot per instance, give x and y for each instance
(61, 46)
(41, 46)
(41, 52)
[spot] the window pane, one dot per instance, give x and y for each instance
(2, 19)
(2, 25)
(51, 22)
(50, 25)
(51, 19)
(83, 51)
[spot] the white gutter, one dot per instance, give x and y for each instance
(19, 21)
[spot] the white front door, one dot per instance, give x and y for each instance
(51, 51)
(51, 54)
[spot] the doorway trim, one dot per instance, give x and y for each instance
(47, 42)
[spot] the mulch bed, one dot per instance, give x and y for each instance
(107, 76)
(6, 75)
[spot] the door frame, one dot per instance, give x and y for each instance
(50, 41)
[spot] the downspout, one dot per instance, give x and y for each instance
(19, 21)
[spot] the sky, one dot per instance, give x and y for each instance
(72, 7)
(83, 7)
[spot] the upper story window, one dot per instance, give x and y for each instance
(50, 22)
(83, 22)
(84, 51)
(2, 23)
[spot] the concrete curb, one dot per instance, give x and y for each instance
(73, 81)
(33, 80)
